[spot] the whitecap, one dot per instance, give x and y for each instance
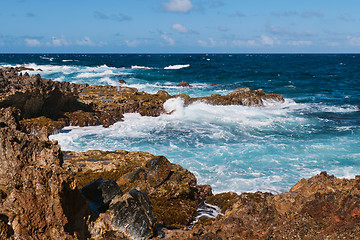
(140, 67)
(175, 67)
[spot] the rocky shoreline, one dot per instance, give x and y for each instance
(50, 194)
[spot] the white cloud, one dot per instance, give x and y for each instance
(332, 44)
(212, 43)
(300, 43)
(243, 43)
(354, 41)
(86, 41)
(58, 42)
(266, 40)
(183, 6)
(131, 43)
(168, 40)
(179, 28)
(32, 42)
(202, 43)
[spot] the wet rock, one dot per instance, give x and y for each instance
(122, 81)
(172, 190)
(133, 215)
(100, 193)
(129, 216)
(183, 84)
(241, 96)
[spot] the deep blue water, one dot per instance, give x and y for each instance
(230, 147)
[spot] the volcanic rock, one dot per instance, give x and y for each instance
(172, 190)
(183, 84)
(323, 207)
(122, 81)
(37, 197)
(100, 192)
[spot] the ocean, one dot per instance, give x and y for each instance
(232, 148)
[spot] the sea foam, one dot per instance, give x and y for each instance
(175, 67)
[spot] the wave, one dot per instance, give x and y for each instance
(233, 148)
(175, 67)
(140, 67)
(99, 74)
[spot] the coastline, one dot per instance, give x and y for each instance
(321, 206)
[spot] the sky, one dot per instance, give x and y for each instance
(179, 26)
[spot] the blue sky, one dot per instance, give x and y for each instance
(179, 26)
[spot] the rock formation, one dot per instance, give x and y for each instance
(36, 194)
(323, 207)
(172, 190)
(49, 105)
(129, 195)
(184, 84)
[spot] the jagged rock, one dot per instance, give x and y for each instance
(323, 207)
(129, 216)
(132, 215)
(122, 81)
(100, 192)
(183, 84)
(172, 190)
(36, 194)
(240, 96)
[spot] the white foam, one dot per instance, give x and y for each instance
(108, 81)
(175, 67)
(140, 67)
(98, 74)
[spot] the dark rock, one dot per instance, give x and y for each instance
(183, 84)
(122, 81)
(100, 193)
(133, 215)
(129, 216)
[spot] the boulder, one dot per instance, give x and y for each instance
(172, 190)
(183, 84)
(129, 216)
(122, 81)
(100, 192)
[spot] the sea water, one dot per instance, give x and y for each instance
(232, 148)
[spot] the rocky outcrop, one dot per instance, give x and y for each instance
(37, 200)
(323, 207)
(47, 106)
(184, 84)
(100, 192)
(172, 190)
(241, 96)
(118, 215)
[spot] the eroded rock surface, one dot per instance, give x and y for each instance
(48, 106)
(36, 194)
(172, 190)
(323, 207)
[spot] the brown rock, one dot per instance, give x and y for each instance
(36, 197)
(122, 81)
(172, 189)
(323, 207)
(183, 84)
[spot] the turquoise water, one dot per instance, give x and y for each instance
(233, 148)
